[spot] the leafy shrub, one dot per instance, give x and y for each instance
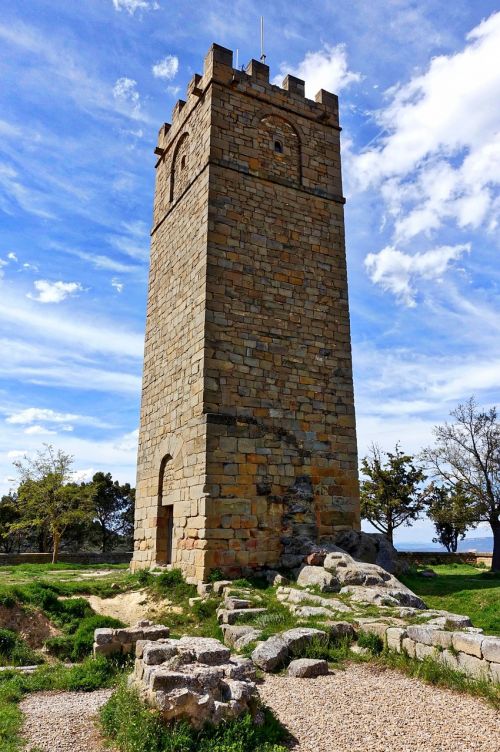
(215, 575)
(83, 638)
(205, 609)
(371, 642)
(134, 728)
(171, 585)
(60, 647)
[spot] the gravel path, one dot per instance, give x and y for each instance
(368, 708)
(63, 721)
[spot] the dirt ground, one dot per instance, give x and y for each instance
(129, 607)
(31, 624)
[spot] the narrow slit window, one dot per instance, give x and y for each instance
(278, 147)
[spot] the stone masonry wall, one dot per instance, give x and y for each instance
(247, 378)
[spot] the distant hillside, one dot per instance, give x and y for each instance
(484, 545)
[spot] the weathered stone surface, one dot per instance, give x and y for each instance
(103, 636)
(233, 604)
(306, 612)
(155, 653)
(199, 681)
(271, 654)
(473, 666)
(237, 636)
(338, 629)
(382, 596)
(307, 668)
(424, 651)
(468, 643)
(372, 548)
(450, 621)
(448, 659)
(394, 637)
(218, 587)
(278, 649)
(123, 640)
(204, 588)
(490, 647)
(300, 597)
(495, 672)
(423, 633)
(204, 650)
(319, 577)
(408, 646)
(231, 617)
(377, 628)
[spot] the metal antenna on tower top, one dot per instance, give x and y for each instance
(262, 53)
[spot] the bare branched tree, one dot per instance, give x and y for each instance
(467, 454)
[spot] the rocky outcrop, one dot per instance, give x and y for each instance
(194, 679)
(370, 548)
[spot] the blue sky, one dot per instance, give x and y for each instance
(85, 87)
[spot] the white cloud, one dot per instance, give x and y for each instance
(12, 256)
(166, 68)
(83, 476)
(131, 6)
(125, 90)
(38, 431)
(14, 454)
(128, 442)
(438, 158)
(326, 68)
(38, 414)
(117, 285)
(54, 292)
(396, 271)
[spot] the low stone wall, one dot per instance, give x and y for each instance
(113, 557)
(112, 641)
(470, 652)
(443, 557)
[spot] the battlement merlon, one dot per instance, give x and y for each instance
(254, 80)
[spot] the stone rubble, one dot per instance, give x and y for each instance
(109, 641)
(195, 679)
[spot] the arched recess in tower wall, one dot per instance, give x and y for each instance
(279, 145)
(165, 512)
(180, 169)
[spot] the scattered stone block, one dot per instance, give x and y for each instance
(408, 646)
(306, 668)
(278, 649)
(219, 586)
(424, 651)
(495, 672)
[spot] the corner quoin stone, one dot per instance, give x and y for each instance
(247, 441)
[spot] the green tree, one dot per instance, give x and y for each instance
(10, 539)
(113, 508)
(467, 452)
(391, 493)
(452, 512)
(48, 499)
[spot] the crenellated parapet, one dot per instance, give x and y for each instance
(253, 81)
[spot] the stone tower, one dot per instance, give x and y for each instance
(247, 444)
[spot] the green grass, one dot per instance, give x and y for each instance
(92, 674)
(14, 651)
(132, 727)
(462, 589)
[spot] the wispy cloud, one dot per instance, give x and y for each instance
(30, 415)
(132, 6)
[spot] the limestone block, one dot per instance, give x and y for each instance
(473, 666)
(424, 634)
(103, 636)
(319, 577)
(468, 643)
(424, 651)
(495, 672)
(408, 646)
(448, 659)
(491, 649)
(377, 628)
(394, 637)
(305, 668)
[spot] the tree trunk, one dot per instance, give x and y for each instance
(55, 549)
(495, 562)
